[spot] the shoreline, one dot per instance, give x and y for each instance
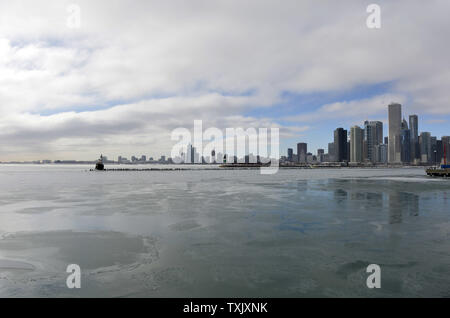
(185, 166)
(252, 168)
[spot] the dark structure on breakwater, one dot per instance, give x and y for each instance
(151, 169)
(99, 165)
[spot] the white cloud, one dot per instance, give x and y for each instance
(166, 63)
(350, 110)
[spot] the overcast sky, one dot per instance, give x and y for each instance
(135, 70)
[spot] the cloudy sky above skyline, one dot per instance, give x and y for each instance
(135, 70)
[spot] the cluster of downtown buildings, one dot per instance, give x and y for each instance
(361, 145)
(137, 160)
(403, 145)
(192, 156)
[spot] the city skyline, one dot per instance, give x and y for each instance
(355, 145)
(409, 144)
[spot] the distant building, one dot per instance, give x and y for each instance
(302, 150)
(190, 154)
(433, 152)
(439, 151)
(290, 154)
(425, 147)
(121, 159)
(381, 153)
(379, 131)
(445, 148)
(331, 152)
(320, 155)
(348, 151)
(406, 145)
(395, 117)
(373, 136)
(356, 144)
(414, 128)
(340, 145)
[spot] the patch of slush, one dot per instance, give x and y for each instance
(6, 264)
(110, 263)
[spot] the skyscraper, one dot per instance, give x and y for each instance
(356, 144)
(414, 127)
(290, 155)
(425, 147)
(395, 117)
(331, 152)
(320, 155)
(433, 150)
(340, 144)
(404, 124)
(379, 131)
(302, 150)
(381, 153)
(405, 142)
(190, 155)
(373, 136)
(439, 151)
(446, 148)
(405, 138)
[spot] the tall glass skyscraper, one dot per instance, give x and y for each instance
(340, 145)
(302, 150)
(425, 147)
(395, 121)
(414, 127)
(356, 144)
(331, 152)
(373, 136)
(446, 147)
(406, 145)
(290, 154)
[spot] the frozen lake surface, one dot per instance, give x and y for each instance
(298, 233)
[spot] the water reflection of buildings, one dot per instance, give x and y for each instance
(340, 195)
(369, 199)
(402, 203)
(358, 198)
(350, 195)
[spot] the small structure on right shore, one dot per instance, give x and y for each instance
(443, 171)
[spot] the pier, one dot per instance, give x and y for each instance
(443, 171)
(438, 172)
